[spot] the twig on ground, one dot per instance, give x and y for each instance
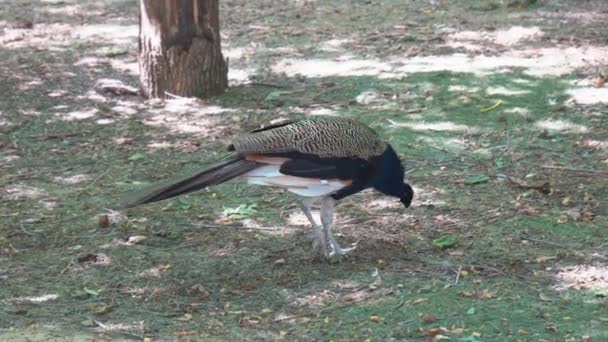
(574, 170)
(97, 178)
(173, 95)
(458, 275)
(548, 243)
(264, 84)
(212, 225)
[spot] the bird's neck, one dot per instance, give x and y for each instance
(389, 175)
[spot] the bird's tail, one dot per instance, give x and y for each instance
(216, 174)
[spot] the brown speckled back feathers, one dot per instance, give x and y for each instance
(325, 137)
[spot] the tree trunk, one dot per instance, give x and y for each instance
(179, 48)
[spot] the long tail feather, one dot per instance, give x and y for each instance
(214, 175)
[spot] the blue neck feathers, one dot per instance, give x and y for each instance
(389, 177)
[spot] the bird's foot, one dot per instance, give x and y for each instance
(333, 249)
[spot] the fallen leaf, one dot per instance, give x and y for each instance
(477, 180)
(457, 331)
(249, 321)
(432, 332)
(375, 319)
(184, 333)
(599, 81)
(485, 294)
(446, 241)
(104, 221)
(91, 291)
(429, 319)
(542, 259)
(419, 300)
(137, 156)
(102, 309)
(136, 239)
(185, 317)
(203, 292)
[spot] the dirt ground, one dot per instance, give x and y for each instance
(498, 108)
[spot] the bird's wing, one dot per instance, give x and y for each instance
(322, 137)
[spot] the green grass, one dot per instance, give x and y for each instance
(200, 276)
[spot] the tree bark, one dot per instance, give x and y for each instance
(179, 48)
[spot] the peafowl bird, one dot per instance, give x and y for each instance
(320, 157)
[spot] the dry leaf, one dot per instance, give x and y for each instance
(375, 319)
(419, 300)
(481, 294)
(429, 319)
(136, 239)
(249, 321)
(467, 294)
(432, 332)
(542, 259)
(485, 294)
(185, 317)
(457, 331)
(599, 80)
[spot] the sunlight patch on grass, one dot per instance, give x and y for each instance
(589, 96)
(500, 90)
(333, 45)
(428, 196)
(505, 37)
(117, 34)
(552, 61)
(525, 112)
(316, 300)
(78, 114)
(71, 180)
(326, 67)
(583, 277)
(129, 65)
(187, 115)
(36, 299)
(442, 126)
(463, 88)
(239, 76)
(323, 111)
(19, 191)
(563, 126)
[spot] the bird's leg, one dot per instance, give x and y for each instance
(329, 244)
(317, 234)
(306, 208)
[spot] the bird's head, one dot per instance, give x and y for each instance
(407, 194)
(390, 178)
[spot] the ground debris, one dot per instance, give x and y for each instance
(114, 87)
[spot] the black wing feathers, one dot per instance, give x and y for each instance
(311, 166)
